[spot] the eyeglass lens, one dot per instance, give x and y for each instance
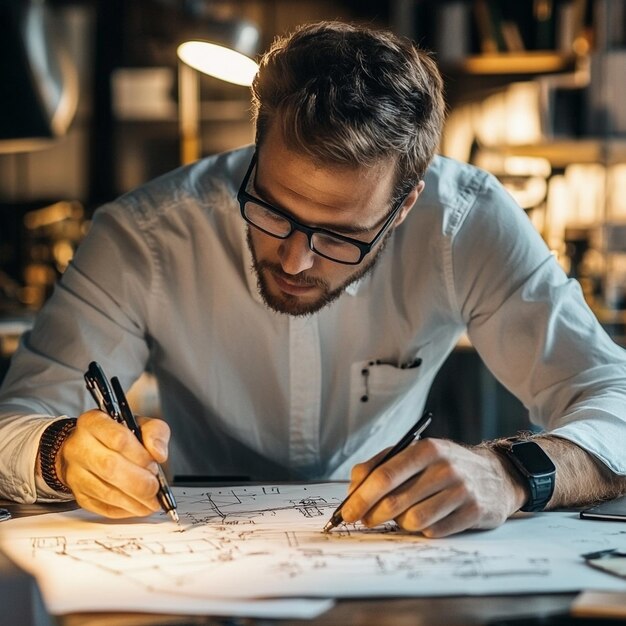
(278, 226)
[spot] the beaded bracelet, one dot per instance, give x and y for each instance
(49, 446)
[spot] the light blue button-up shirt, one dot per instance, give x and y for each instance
(164, 280)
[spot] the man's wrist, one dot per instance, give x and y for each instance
(512, 483)
(533, 466)
(50, 445)
(512, 477)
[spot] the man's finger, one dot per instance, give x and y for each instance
(386, 478)
(111, 510)
(115, 437)
(463, 518)
(435, 478)
(156, 437)
(137, 499)
(424, 515)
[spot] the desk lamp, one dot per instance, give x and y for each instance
(39, 81)
(224, 52)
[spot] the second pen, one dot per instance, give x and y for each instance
(111, 399)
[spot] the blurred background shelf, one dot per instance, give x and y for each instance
(535, 91)
(511, 63)
(563, 152)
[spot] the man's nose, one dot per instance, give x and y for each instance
(294, 253)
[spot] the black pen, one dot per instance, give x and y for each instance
(111, 399)
(414, 432)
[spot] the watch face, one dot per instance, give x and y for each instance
(533, 458)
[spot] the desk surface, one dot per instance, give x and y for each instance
(451, 611)
(400, 612)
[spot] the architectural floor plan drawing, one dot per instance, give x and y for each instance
(256, 542)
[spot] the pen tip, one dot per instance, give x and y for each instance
(329, 526)
(174, 516)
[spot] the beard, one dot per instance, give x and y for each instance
(293, 305)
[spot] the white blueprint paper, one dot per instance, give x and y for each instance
(252, 542)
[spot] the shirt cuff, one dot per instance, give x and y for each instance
(19, 445)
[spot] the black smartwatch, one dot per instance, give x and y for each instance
(535, 468)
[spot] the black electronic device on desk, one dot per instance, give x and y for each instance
(609, 510)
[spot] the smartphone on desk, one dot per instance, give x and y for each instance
(609, 510)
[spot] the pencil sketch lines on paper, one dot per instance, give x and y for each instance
(57, 544)
(270, 538)
(179, 563)
(592, 541)
(240, 506)
(414, 561)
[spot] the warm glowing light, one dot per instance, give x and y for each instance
(218, 61)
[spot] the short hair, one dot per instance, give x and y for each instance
(351, 95)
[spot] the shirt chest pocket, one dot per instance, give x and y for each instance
(375, 390)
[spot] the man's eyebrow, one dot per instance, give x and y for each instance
(345, 229)
(353, 229)
(340, 229)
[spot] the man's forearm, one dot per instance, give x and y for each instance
(581, 479)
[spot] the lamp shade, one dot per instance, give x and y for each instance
(223, 51)
(39, 81)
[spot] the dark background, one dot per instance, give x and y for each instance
(111, 148)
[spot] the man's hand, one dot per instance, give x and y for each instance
(436, 487)
(108, 470)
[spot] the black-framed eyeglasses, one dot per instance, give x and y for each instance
(330, 245)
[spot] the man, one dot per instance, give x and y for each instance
(303, 338)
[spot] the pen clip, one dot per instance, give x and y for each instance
(126, 412)
(427, 419)
(414, 433)
(102, 392)
(95, 392)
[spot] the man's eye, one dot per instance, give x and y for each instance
(329, 242)
(269, 216)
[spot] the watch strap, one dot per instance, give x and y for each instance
(540, 486)
(49, 445)
(541, 490)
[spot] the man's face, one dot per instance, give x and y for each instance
(350, 201)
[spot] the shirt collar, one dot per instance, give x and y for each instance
(354, 288)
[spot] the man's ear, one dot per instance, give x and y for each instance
(409, 202)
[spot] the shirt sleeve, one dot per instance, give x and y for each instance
(533, 329)
(97, 312)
